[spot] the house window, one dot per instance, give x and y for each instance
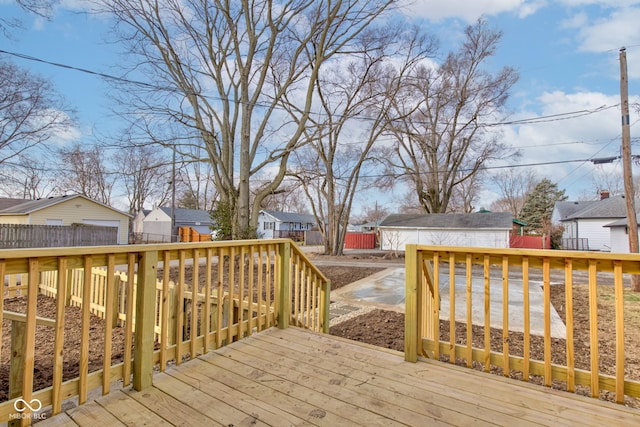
(269, 225)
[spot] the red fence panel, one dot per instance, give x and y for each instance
(530, 242)
(360, 241)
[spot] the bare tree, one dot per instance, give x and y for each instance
(41, 8)
(290, 197)
(355, 98)
(221, 70)
(30, 112)
(145, 174)
(441, 141)
(27, 178)
(465, 196)
(513, 185)
(196, 178)
(607, 180)
(373, 213)
(85, 172)
(409, 203)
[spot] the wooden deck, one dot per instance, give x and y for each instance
(295, 377)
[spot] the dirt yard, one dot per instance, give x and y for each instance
(378, 327)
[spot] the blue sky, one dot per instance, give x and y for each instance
(565, 50)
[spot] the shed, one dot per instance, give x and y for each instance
(489, 230)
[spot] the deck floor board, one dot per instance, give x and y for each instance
(300, 378)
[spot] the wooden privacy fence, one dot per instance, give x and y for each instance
(436, 271)
(51, 236)
(184, 300)
(530, 242)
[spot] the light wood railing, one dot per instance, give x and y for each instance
(479, 285)
(152, 296)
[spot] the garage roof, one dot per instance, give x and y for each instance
(26, 207)
(473, 220)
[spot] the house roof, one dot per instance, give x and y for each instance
(619, 223)
(612, 207)
(25, 207)
(8, 202)
(473, 220)
(189, 215)
(291, 217)
(567, 208)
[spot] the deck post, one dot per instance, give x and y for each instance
(145, 320)
(284, 286)
(411, 338)
(325, 302)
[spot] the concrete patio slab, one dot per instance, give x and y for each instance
(386, 289)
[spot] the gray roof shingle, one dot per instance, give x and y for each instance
(501, 220)
(567, 208)
(189, 215)
(612, 207)
(6, 203)
(28, 206)
(292, 217)
(25, 207)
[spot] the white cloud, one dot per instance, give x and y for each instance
(602, 3)
(577, 21)
(592, 135)
(436, 10)
(620, 28)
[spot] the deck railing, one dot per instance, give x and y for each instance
(152, 298)
(454, 272)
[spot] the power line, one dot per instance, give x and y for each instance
(533, 120)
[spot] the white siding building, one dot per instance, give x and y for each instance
(489, 230)
(156, 224)
(584, 223)
(65, 211)
(619, 235)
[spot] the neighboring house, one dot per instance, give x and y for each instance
(275, 225)
(64, 210)
(584, 222)
(156, 224)
(489, 230)
(370, 227)
(137, 223)
(619, 236)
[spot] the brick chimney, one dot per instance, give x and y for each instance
(604, 194)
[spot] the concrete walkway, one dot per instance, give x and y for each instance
(385, 290)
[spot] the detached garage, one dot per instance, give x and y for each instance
(74, 209)
(482, 229)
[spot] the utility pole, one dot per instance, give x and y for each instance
(173, 197)
(632, 221)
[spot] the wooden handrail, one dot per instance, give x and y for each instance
(184, 313)
(496, 266)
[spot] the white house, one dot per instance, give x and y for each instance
(482, 229)
(585, 222)
(274, 225)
